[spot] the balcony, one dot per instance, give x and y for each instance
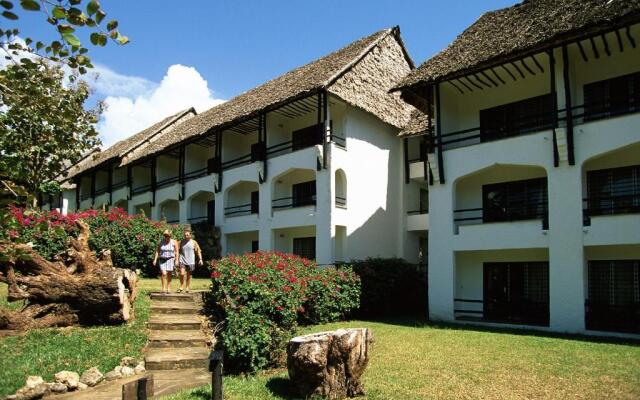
(418, 220)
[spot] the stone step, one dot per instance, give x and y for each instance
(173, 307)
(177, 339)
(181, 358)
(187, 297)
(162, 322)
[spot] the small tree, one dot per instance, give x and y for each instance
(44, 125)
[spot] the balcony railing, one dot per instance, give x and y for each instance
(85, 196)
(203, 218)
(341, 202)
(141, 189)
(198, 173)
(118, 185)
(524, 311)
(101, 191)
(293, 202)
(613, 204)
(167, 182)
(419, 211)
(530, 211)
(237, 162)
(243, 209)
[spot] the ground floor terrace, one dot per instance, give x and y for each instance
(526, 288)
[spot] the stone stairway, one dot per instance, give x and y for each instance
(175, 338)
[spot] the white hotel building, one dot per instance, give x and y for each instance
(516, 177)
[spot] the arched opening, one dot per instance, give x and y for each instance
(170, 211)
(202, 208)
(341, 188)
(124, 204)
(143, 209)
(242, 199)
(294, 188)
(501, 193)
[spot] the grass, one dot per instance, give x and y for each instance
(47, 351)
(3, 299)
(414, 361)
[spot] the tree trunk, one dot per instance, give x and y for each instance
(329, 364)
(78, 288)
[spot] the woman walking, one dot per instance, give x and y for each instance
(165, 259)
(189, 249)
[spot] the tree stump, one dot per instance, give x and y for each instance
(78, 288)
(329, 364)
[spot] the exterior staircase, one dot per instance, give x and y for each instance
(175, 338)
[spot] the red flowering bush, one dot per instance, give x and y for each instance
(263, 296)
(132, 239)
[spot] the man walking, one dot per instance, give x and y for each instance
(189, 250)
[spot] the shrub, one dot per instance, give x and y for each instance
(132, 239)
(262, 297)
(391, 287)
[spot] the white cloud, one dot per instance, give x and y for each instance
(134, 103)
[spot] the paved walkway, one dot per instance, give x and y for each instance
(176, 355)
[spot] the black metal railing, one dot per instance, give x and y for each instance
(481, 215)
(612, 204)
(341, 202)
(101, 191)
(293, 202)
(527, 312)
(338, 140)
(167, 182)
(195, 220)
(613, 318)
(118, 185)
(198, 173)
(457, 310)
(419, 211)
(280, 148)
(172, 221)
(243, 209)
(141, 189)
(237, 162)
(85, 196)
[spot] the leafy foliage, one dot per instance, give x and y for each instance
(132, 239)
(44, 125)
(65, 18)
(264, 296)
(391, 287)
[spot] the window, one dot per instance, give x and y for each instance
(517, 118)
(611, 97)
(613, 302)
(305, 247)
(304, 194)
(514, 201)
(517, 292)
(614, 191)
(306, 137)
(255, 202)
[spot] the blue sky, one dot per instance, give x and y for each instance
(236, 45)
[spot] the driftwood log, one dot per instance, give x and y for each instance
(77, 288)
(329, 364)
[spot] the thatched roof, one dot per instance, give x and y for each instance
(300, 82)
(416, 126)
(115, 152)
(522, 29)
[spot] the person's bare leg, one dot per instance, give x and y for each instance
(163, 280)
(168, 281)
(188, 279)
(182, 277)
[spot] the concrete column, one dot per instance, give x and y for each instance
(219, 212)
(156, 212)
(566, 251)
(442, 263)
(325, 229)
(265, 233)
(184, 211)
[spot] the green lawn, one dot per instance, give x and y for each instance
(47, 351)
(443, 362)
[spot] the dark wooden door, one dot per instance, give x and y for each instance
(496, 291)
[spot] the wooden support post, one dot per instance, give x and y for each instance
(181, 168)
(439, 135)
(568, 104)
(554, 107)
(263, 129)
(430, 139)
(93, 188)
(110, 183)
(78, 194)
(216, 359)
(153, 181)
(130, 181)
(218, 160)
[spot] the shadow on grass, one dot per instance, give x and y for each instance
(281, 387)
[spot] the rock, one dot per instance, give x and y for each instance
(57, 387)
(30, 393)
(11, 397)
(128, 362)
(91, 377)
(82, 386)
(33, 381)
(140, 369)
(329, 364)
(112, 376)
(118, 370)
(69, 378)
(127, 371)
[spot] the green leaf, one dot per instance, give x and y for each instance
(59, 12)
(9, 15)
(93, 7)
(111, 25)
(6, 4)
(39, 45)
(31, 5)
(71, 39)
(63, 28)
(95, 38)
(100, 16)
(123, 40)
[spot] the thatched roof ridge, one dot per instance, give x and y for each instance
(297, 83)
(119, 149)
(519, 30)
(417, 125)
